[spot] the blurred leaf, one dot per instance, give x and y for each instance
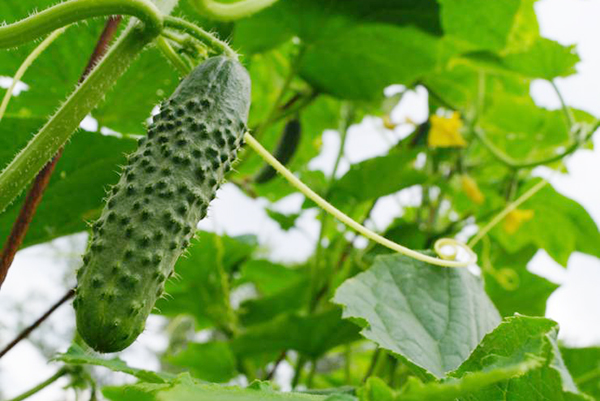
(285, 221)
(482, 23)
(382, 176)
(212, 361)
(268, 277)
(202, 290)
(560, 225)
(512, 287)
(429, 316)
(545, 59)
(77, 188)
(306, 18)
(312, 335)
(584, 365)
(76, 355)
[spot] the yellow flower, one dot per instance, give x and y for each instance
(469, 185)
(445, 132)
(516, 218)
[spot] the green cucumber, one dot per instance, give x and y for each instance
(286, 148)
(163, 192)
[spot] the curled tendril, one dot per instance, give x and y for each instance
(454, 245)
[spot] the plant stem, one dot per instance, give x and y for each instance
(61, 126)
(512, 206)
(60, 373)
(26, 64)
(230, 11)
(34, 196)
(568, 114)
(200, 34)
(170, 54)
(298, 371)
(22, 335)
(71, 11)
(329, 208)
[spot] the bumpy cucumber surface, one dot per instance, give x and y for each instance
(286, 148)
(164, 191)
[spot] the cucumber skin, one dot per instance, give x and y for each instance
(286, 148)
(164, 191)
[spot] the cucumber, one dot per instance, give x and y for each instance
(164, 191)
(286, 148)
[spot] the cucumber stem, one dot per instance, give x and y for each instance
(55, 133)
(214, 43)
(71, 11)
(341, 216)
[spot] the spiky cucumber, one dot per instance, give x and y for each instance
(163, 192)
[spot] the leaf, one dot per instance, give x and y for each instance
(312, 335)
(482, 23)
(305, 18)
(76, 355)
(512, 287)
(382, 176)
(445, 132)
(76, 190)
(584, 365)
(545, 59)
(429, 316)
(202, 290)
(212, 361)
(376, 389)
(285, 221)
(359, 61)
(183, 388)
(269, 278)
(518, 338)
(560, 225)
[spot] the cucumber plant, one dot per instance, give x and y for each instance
(428, 328)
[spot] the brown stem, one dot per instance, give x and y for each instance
(22, 335)
(280, 359)
(34, 196)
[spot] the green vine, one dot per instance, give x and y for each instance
(66, 13)
(55, 133)
(230, 11)
(200, 34)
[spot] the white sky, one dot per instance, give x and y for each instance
(39, 279)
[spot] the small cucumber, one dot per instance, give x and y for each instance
(286, 148)
(163, 192)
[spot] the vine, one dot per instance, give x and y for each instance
(66, 13)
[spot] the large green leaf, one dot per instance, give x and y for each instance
(516, 339)
(77, 188)
(306, 18)
(183, 388)
(431, 317)
(559, 225)
(482, 23)
(202, 288)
